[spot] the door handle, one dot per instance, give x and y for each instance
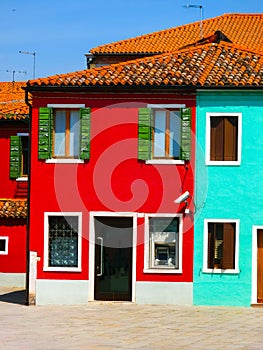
(101, 257)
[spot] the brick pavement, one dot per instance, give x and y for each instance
(126, 326)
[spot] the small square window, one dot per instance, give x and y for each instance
(224, 135)
(163, 249)
(62, 242)
(3, 245)
(221, 242)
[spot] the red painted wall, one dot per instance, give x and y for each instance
(15, 229)
(112, 180)
(9, 188)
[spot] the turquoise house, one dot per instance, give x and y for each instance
(228, 198)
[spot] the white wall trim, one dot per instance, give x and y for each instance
(166, 105)
(64, 161)
(147, 269)
(165, 161)
(65, 269)
(254, 265)
(65, 105)
(207, 138)
(92, 248)
(205, 235)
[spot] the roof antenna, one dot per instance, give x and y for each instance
(14, 72)
(34, 61)
(201, 17)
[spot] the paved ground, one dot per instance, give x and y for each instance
(126, 326)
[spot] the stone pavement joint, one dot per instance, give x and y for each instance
(106, 326)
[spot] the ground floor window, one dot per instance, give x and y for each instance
(63, 242)
(221, 238)
(3, 245)
(163, 243)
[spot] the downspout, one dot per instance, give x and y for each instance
(27, 302)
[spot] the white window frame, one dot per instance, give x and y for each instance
(46, 267)
(147, 268)
(205, 247)
(65, 160)
(165, 161)
(6, 239)
(208, 140)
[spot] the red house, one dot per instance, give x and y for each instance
(111, 189)
(14, 128)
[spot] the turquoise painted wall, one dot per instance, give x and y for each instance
(229, 192)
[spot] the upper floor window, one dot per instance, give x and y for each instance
(64, 133)
(223, 139)
(19, 157)
(164, 134)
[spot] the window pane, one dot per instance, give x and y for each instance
(74, 133)
(63, 241)
(25, 168)
(159, 134)
(2, 245)
(175, 134)
(60, 129)
(221, 245)
(164, 243)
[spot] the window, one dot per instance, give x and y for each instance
(64, 133)
(62, 242)
(19, 157)
(3, 245)
(224, 138)
(164, 134)
(163, 244)
(221, 241)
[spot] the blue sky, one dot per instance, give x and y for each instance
(60, 32)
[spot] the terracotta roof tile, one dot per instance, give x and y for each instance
(242, 29)
(13, 208)
(12, 101)
(210, 65)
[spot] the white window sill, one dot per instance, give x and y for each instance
(162, 270)
(221, 271)
(25, 178)
(165, 161)
(62, 269)
(224, 163)
(64, 161)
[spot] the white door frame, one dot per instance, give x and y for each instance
(254, 263)
(92, 248)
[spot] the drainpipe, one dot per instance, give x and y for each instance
(27, 302)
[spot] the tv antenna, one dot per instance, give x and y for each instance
(14, 72)
(34, 60)
(201, 16)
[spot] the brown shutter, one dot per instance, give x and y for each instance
(216, 138)
(230, 139)
(211, 246)
(229, 246)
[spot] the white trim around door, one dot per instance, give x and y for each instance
(92, 248)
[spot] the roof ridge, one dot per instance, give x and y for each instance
(171, 29)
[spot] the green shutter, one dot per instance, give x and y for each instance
(144, 133)
(45, 127)
(85, 133)
(15, 156)
(185, 133)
